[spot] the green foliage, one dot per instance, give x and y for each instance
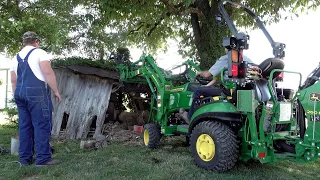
(95, 27)
(272, 11)
(148, 24)
(12, 113)
(107, 65)
(53, 20)
(1, 82)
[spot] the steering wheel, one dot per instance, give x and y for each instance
(203, 81)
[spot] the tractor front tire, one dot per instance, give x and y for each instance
(214, 146)
(151, 135)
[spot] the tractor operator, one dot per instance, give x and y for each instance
(209, 89)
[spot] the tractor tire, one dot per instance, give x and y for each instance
(214, 146)
(151, 135)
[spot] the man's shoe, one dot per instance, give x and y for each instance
(50, 163)
(181, 110)
(25, 164)
(184, 115)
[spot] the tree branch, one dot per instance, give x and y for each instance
(155, 25)
(134, 30)
(214, 7)
(181, 9)
(196, 29)
(204, 6)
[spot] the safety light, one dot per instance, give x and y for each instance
(243, 69)
(234, 56)
(262, 154)
(234, 70)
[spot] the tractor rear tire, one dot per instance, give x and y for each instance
(214, 146)
(151, 135)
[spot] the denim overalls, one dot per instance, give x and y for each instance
(33, 100)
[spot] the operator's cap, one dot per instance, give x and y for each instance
(29, 35)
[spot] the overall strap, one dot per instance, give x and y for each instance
(19, 59)
(27, 56)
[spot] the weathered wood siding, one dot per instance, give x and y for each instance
(83, 98)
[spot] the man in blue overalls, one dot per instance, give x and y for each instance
(32, 81)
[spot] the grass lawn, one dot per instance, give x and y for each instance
(128, 161)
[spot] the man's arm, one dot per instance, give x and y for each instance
(13, 81)
(215, 70)
(205, 74)
(50, 77)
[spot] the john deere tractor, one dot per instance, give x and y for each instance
(259, 121)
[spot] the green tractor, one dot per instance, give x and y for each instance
(259, 121)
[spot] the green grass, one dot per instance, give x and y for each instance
(128, 161)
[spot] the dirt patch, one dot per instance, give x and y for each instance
(116, 132)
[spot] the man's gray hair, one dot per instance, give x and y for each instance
(29, 37)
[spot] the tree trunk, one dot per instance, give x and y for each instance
(85, 99)
(208, 34)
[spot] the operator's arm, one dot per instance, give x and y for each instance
(50, 77)
(205, 74)
(13, 81)
(215, 70)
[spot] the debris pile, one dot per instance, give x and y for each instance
(119, 133)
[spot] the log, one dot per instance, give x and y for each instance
(85, 100)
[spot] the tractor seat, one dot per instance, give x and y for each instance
(270, 64)
(193, 87)
(262, 91)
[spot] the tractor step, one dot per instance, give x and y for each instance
(183, 128)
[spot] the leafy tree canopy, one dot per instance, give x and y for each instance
(96, 27)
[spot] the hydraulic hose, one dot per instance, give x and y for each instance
(312, 78)
(301, 120)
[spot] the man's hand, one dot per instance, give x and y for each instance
(58, 96)
(211, 82)
(205, 74)
(13, 81)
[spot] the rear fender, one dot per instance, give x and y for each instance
(220, 111)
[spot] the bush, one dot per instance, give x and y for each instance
(12, 112)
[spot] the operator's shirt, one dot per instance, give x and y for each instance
(221, 63)
(34, 60)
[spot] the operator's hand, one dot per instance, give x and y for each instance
(58, 96)
(198, 73)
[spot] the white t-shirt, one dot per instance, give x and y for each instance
(34, 59)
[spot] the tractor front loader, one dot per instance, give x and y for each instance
(259, 121)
